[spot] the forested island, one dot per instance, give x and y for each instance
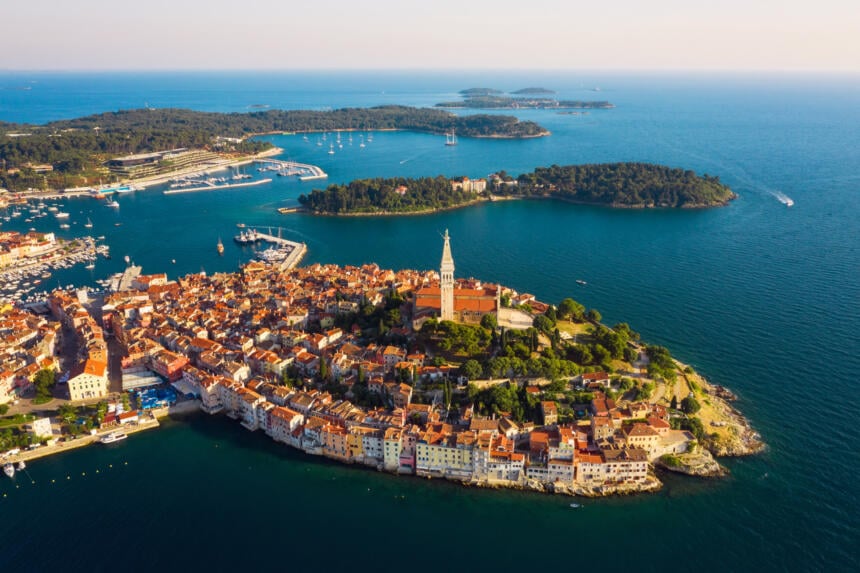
(636, 185)
(60, 153)
(486, 98)
(533, 91)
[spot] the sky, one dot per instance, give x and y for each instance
(433, 34)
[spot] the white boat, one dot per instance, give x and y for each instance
(331, 149)
(9, 470)
(88, 224)
(581, 282)
(21, 466)
(65, 226)
(90, 266)
(575, 506)
(113, 437)
(61, 215)
(113, 204)
(451, 139)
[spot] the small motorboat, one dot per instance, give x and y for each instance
(21, 466)
(113, 437)
(581, 282)
(9, 470)
(575, 506)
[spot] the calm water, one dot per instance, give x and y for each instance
(761, 298)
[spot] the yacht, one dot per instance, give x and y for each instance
(331, 149)
(113, 204)
(581, 282)
(451, 139)
(65, 226)
(62, 215)
(21, 466)
(9, 470)
(88, 224)
(112, 437)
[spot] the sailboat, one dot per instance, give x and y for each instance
(361, 138)
(451, 139)
(220, 246)
(331, 149)
(88, 224)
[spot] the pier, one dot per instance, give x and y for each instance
(210, 186)
(305, 171)
(296, 250)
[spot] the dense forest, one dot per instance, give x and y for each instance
(76, 148)
(622, 185)
(397, 195)
(612, 184)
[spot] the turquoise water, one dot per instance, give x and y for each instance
(759, 297)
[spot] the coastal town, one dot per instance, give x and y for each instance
(374, 367)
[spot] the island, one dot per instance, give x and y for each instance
(631, 185)
(412, 372)
(73, 153)
(533, 91)
(486, 98)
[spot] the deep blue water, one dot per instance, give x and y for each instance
(759, 297)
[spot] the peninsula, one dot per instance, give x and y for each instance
(411, 372)
(631, 185)
(72, 153)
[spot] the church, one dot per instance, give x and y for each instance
(464, 301)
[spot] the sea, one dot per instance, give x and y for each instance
(758, 296)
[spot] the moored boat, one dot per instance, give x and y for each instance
(112, 437)
(9, 470)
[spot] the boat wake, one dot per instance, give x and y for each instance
(783, 198)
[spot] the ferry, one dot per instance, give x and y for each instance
(113, 437)
(9, 470)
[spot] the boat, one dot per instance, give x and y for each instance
(65, 226)
(575, 505)
(21, 466)
(173, 261)
(88, 224)
(450, 139)
(61, 215)
(90, 266)
(240, 225)
(581, 282)
(112, 437)
(9, 470)
(113, 204)
(117, 224)
(220, 246)
(331, 149)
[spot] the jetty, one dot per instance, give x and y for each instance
(305, 171)
(212, 186)
(285, 253)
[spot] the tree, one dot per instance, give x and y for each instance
(44, 381)
(489, 321)
(570, 309)
(471, 369)
(67, 413)
(544, 324)
(690, 405)
(593, 315)
(674, 403)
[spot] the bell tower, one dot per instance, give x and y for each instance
(446, 284)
